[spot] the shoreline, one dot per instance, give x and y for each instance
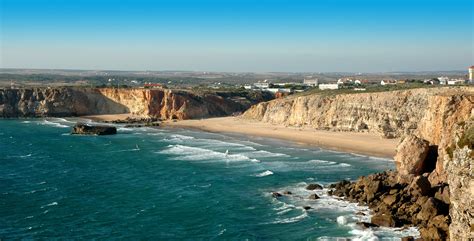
(353, 142)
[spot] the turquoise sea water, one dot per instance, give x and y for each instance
(171, 184)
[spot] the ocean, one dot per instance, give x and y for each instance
(173, 184)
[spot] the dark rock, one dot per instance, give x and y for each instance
(276, 194)
(313, 197)
(360, 213)
(420, 186)
(443, 194)
(428, 210)
(287, 193)
(87, 129)
(306, 207)
(383, 219)
(409, 238)
(371, 190)
(366, 225)
(390, 199)
(441, 222)
(314, 186)
(431, 233)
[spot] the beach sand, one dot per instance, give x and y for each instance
(110, 117)
(360, 143)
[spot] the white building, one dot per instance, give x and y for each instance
(471, 74)
(262, 85)
(248, 87)
(281, 90)
(388, 82)
(328, 86)
(456, 81)
(443, 80)
(311, 82)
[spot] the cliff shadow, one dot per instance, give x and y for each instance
(93, 102)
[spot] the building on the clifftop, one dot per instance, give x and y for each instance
(388, 82)
(471, 75)
(329, 86)
(312, 82)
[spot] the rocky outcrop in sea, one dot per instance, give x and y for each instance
(439, 201)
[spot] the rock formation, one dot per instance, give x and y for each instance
(433, 187)
(389, 114)
(87, 129)
(158, 103)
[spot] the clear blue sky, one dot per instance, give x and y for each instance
(238, 35)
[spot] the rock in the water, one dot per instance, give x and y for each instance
(87, 129)
(411, 155)
(287, 193)
(314, 186)
(366, 225)
(383, 219)
(306, 207)
(276, 194)
(408, 238)
(313, 197)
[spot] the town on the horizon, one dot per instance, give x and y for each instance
(278, 83)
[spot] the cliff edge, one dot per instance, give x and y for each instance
(158, 103)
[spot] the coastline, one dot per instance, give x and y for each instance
(359, 143)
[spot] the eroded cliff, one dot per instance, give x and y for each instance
(390, 114)
(159, 103)
(436, 127)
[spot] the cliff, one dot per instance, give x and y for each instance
(389, 114)
(436, 127)
(159, 103)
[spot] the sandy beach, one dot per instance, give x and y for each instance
(360, 143)
(110, 117)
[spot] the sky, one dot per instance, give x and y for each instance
(238, 35)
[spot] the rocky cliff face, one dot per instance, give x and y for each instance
(390, 114)
(160, 103)
(41, 102)
(459, 165)
(436, 127)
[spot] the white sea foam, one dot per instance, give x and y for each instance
(50, 204)
(341, 220)
(189, 153)
(291, 219)
(263, 153)
(63, 120)
(55, 124)
(265, 173)
(124, 129)
(346, 210)
(26, 122)
(321, 162)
